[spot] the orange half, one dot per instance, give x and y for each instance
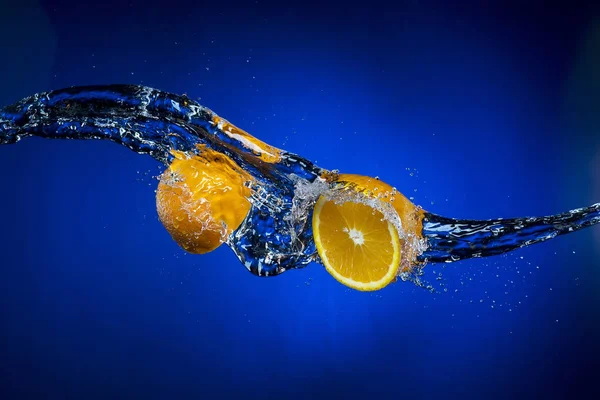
(358, 246)
(202, 199)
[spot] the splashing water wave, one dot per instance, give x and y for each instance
(276, 234)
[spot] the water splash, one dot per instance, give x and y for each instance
(451, 239)
(276, 235)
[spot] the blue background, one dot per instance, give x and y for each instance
(493, 108)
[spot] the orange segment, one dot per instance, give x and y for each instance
(357, 245)
(202, 199)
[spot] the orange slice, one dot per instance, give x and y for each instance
(356, 242)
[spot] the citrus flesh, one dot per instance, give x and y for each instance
(357, 245)
(360, 245)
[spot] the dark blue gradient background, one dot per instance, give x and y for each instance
(495, 106)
